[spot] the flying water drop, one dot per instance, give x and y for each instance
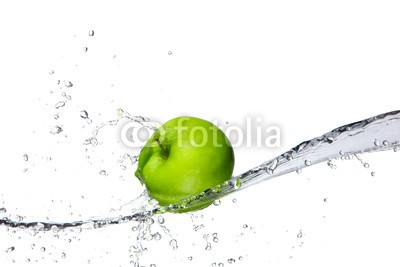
(68, 83)
(60, 104)
(56, 129)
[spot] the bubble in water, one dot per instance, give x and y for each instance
(174, 244)
(42, 249)
(220, 264)
(63, 255)
(103, 172)
(152, 265)
(230, 261)
(68, 83)
(298, 171)
(169, 52)
(376, 142)
(325, 199)
(60, 104)
(217, 202)
(234, 200)
(240, 258)
(385, 143)
(51, 72)
(366, 165)
(341, 152)
(56, 116)
(215, 239)
(10, 249)
(56, 129)
(91, 33)
(3, 210)
(307, 162)
(84, 114)
(85, 49)
(190, 258)
(208, 247)
(25, 157)
(373, 173)
(396, 149)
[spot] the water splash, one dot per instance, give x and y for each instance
(374, 134)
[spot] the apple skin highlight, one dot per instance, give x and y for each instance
(183, 158)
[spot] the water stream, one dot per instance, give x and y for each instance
(378, 133)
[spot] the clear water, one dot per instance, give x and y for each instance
(374, 134)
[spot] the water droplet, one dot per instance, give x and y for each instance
(25, 157)
(240, 258)
(230, 261)
(300, 234)
(103, 172)
(190, 258)
(56, 130)
(3, 210)
(331, 165)
(238, 183)
(217, 202)
(68, 83)
(10, 249)
(385, 143)
(91, 33)
(63, 255)
(298, 171)
(307, 162)
(373, 174)
(160, 219)
(366, 165)
(42, 249)
(84, 114)
(174, 244)
(376, 142)
(60, 104)
(157, 236)
(169, 52)
(149, 221)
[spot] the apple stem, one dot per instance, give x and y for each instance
(162, 148)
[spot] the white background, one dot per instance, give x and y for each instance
(306, 66)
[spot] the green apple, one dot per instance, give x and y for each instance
(184, 157)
